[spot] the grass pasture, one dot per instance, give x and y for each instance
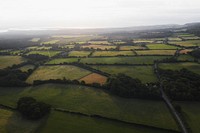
(185, 57)
(16, 52)
(26, 68)
(99, 42)
(7, 61)
(183, 34)
(156, 52)
(94, 78)
(63, 60)
(113, 53)
(194, 67)
(46, 53)
(191, 112)
(50, 42)
(13, 122)
(69, 36)
(119, 42)
(174, 39)
(102, 47)
(57, 72)
(79, 53)
(76, 39)
(190, 43)
(143, 73)
(67, 46)
(191, 38)
(80, 124)
(95, 101)
(122, 60)
(161, 46)
(131, 47)
(143, 41)
(39, 48)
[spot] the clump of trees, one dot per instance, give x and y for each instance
(10, 77)
(32, 109)
(128, 87)
(181, 85)
(195, 53)
(36, 57)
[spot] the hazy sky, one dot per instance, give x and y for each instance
(96, 13)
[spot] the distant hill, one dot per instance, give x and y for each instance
(96, 30)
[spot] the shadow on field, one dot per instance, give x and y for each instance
(17, 124)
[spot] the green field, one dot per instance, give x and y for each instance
(70, 36)
(79, 53)
(183, 34)
(67, 46)
(113, 53)
(50, 42)
(191, 112)
(131, 47)
(102, 47)
(143, 41)
(57, 72)
(191, 38)
(161, 46)
(12, 122)
(174, 39)
(46, 53)
(59, 122)
(144, 73)
(123, 60)
(77, 39)
(63, 60)
(99, 42)
(16, 52)
(95, 101)
(26, 68)
(185, 57)
(6, 61)
(194, 67)
(39, 48)
(119, 42)
(5, 50)
(186, 43)
(156, 52)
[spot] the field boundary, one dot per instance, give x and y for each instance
(112, 119)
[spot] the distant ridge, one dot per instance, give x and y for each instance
(50, 31)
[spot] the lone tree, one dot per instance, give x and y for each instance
(32, 109)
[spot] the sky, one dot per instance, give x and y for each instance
(33, 14)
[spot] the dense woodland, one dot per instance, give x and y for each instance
(181, 85)
(128, 87)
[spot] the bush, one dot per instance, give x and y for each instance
(32, 109)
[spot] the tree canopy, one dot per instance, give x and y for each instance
(32, 109)
(128, 87)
